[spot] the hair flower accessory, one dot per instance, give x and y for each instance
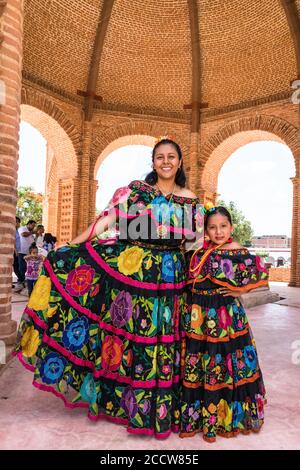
(164, 137)
(209, 208)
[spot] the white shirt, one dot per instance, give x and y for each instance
(39, 241)
(25, 242)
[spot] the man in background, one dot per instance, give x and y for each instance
(19, 285)
(27, 237)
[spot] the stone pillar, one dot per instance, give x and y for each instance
(11, 35)
(84, 192)
(295, 247)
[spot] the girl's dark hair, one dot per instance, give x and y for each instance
(48, 238)
(180, 178)
(218, 210)
(32, 246)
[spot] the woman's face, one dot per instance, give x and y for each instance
(166, 161)
(219, 228)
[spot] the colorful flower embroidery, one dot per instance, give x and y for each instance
(76, 334)
(40, 295)
(121, 309)
(79, 280)
(112, 352)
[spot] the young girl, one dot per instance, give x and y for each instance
(49, 242)
(34, 263)
(223, 390)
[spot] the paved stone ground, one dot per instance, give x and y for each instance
(31, 419)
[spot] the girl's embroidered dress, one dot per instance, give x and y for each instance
(223, 390)
(101, 328)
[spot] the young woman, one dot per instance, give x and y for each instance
(101, 329)
(223, 390)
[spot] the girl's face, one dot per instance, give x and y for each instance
(166, 161)
(34, 251)
(219, 228)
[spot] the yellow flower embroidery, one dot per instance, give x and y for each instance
(55, 326)
(51, 311)
(30, 341)
(148, 263)
(176, 414)
(109, 405)
(40, 295)
(224, 413)
(130, 260)
(192, 377)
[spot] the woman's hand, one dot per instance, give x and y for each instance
(226, 292)
(60, 246)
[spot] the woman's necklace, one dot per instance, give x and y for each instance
(162, 229)
(165, 194)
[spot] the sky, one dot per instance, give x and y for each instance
(256, 177)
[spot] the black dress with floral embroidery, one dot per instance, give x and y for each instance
(101, 328)
(223, 390)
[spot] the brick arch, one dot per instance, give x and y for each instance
(138, 133)
(56, 138)
(36, 100)
(61, 200)
(218, 148)
(122, 142)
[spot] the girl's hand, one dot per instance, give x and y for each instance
(226, 292)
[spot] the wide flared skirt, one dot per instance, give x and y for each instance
(101, 331)
(223, 390)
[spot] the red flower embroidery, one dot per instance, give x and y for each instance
(79, 280)
(112, 352)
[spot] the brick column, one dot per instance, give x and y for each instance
(92, 205)
(208, 196)
(84, 192)
(193, 162)
(11, 32)
(67, 209)
(295, 248)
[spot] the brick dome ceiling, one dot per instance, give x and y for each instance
(145, 64)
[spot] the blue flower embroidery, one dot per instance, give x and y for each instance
(250, 357)
(168, 268)
(88, 389)
(76, 334)
(52, 368)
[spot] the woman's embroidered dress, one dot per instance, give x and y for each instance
(102, 327)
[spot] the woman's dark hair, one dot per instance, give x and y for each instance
(180, 178)
(48, 238)
(32, 246)
(218, 210)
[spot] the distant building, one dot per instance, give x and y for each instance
(271, 241)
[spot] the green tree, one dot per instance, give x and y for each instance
(243, 231)
(29, 204)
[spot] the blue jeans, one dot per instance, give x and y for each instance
(22, 266)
